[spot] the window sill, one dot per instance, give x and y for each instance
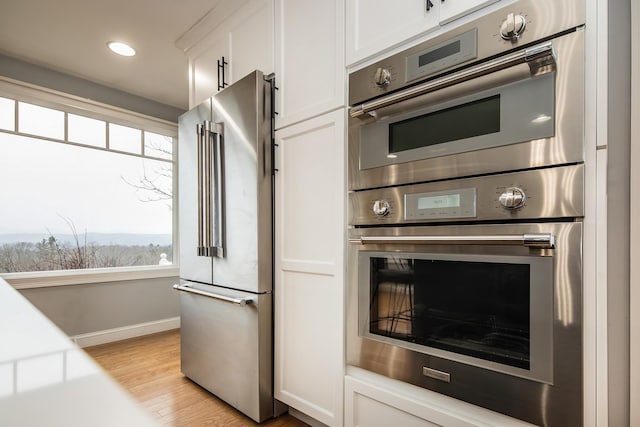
(47, 279)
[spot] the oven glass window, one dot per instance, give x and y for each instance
(478, 309)
(480, 117)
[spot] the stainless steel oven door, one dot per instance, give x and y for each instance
(518, 111)
(489, 314)
(489, 311)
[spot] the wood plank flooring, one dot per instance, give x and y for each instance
(149, 368)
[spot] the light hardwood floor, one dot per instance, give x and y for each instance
(149, 368)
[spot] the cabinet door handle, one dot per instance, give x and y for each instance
(221, 81)
(429, 5)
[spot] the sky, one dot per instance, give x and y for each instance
(42, 183)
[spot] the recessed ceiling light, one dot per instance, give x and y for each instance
(121, 48)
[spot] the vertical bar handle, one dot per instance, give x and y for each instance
(221, 81)
(208, 152)
(200, 166)
(204, 189)
(219, 190)
(210, 190)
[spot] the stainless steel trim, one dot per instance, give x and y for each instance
(537, 240)
(539, 54)
(239, 301)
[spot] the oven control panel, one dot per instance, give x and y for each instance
(501, 197)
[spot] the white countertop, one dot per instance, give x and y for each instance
(46, 380)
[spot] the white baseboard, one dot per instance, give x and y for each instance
(125, 332)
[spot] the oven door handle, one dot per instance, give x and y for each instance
(538, 58)
(532, 240)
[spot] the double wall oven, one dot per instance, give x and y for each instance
(466, 180)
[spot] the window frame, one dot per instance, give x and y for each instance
(71, 104)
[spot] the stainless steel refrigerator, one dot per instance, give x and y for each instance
(225, 198)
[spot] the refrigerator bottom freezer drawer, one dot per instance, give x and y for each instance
(226, 346)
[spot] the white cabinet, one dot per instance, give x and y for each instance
(203, 69)
(375, 401)
(310, 70)
(454, 9)
(375, 25)
(250, 38)
(309, 266)
(241, 33)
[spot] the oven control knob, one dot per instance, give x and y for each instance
(381, 207)
(382, 77)
(512, 198)
(513, 27)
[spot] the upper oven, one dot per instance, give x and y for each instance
(471, 102)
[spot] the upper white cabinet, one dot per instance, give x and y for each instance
(250, 38)
(376, 25)
(231, 41)
(454, 9)
(310, 71)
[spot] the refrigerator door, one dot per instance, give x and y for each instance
(242, 114)
(192, 266)
(226, 345)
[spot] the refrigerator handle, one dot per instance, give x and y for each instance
(219, 189)
(202, 165)
(239, 301)
(210, 156)
(206, 152)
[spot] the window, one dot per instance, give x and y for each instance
(84, 185)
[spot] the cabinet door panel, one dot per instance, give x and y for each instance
(251, 40)
(372, 400)
(454, 9)
(203, 67)
(309, 264)
(309, 59)
(375, 25)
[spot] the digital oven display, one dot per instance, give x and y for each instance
(475, 118)
(440, 53)
(437, 202)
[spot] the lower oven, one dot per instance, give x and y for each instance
(454, 289)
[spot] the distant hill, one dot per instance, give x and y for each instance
(101, 239)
